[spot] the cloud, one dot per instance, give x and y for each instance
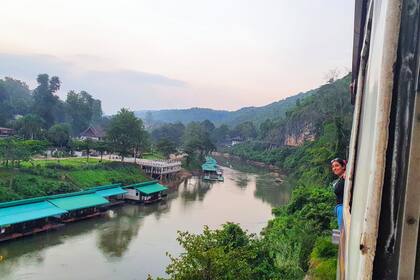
(115, 87)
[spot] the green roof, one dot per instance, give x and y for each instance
(209, 167)
(103, 187)
(43, 198)
(28, 212)
(150, 189)
(111, 192)
(141, 184)
(211, 160)
(79, 201)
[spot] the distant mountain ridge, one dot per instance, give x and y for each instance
(255, 114)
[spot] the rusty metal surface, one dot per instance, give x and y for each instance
(348, 194)
(402, 155)
(360, 16)
(372, 141)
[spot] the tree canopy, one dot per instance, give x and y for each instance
(126, 133)
(82, 110)
(44, 98)
(32, 113)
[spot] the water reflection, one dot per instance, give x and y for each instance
(240, 165)
(10, 256)
(269, 190)
(115, 236)
(33, 247)
(194, 189)
(242, 180)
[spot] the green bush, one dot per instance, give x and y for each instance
(323, 261)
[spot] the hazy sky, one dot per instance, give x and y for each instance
(176, 54)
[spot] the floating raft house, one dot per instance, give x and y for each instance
(29, 216)
(147, 192)
(211, 170)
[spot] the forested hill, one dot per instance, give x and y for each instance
(231, 118)
(310, 134)
(307, 120)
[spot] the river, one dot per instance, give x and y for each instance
(131, 241)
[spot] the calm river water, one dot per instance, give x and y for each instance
(131, 241)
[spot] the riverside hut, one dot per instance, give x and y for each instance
(147, 192)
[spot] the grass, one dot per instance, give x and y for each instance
(47, 177)
(154, 155)
(88, 178)
(68, 162)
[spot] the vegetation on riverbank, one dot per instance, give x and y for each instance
(47, 177)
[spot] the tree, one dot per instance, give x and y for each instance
(44, 98)
(124, 131)
(82, 110)
(13, 150)
(6, 111)
(141, 140)
(59, 135)
(265, 127)
(166, 147)
(101, 147)
(208, 126)
(173, 131)
(332, 75)
(245, 130)
(86, 145)
(29, 127)
(197, 139)
(15, 97)
(226, 253)
(220, 134)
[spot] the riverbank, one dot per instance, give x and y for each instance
(49, 177)
(226, 158)
(180, 177)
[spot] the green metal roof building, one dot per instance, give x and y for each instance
(66, 205)
(148, 187)
(28, 212)
(79, 201)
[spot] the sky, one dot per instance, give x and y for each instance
(164, 54)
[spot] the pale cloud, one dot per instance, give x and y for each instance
(228, 54)
(116, 88)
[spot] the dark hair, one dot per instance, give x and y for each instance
(341, 161)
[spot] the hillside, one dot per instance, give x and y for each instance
(231, 118)
(312, 132)
(48, 177)
(328, 104)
